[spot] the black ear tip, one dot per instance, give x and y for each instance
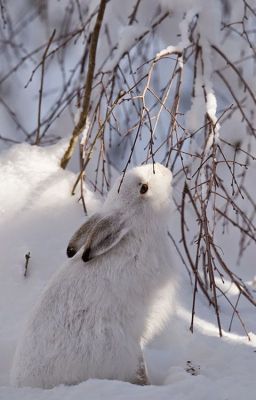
(71, 251)
(86, 255)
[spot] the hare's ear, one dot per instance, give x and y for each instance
(106, 233)
(80, 236)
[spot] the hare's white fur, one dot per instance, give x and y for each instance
(93, 316)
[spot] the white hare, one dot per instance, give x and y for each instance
(114, 294)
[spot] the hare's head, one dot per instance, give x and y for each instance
(147, 187)
(142, 195)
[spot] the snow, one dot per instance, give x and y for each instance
(38, 215)
(211, 105)
(184, 42)
(127, 37)
(211, 108)
(168, 51)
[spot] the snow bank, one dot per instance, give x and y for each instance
(38, 215)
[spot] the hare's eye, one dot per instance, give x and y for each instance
(144, 188)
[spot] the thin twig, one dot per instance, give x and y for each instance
(37, 140)
(27, 257)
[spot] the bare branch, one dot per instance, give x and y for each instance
(88, 87)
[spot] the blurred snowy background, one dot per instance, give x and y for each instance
(174, 82)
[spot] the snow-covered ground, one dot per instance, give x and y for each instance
(38, 215)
